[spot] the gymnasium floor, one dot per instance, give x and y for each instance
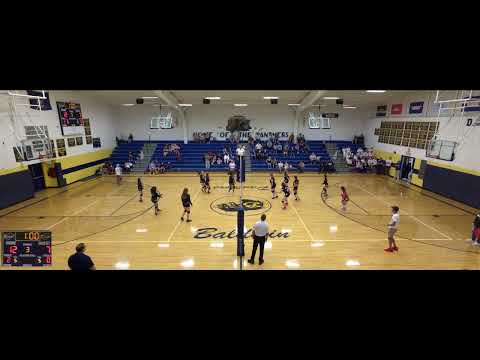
(120, 232)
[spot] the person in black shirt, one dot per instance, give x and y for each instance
(155, 196)
(202, 181)
(286, 178)
(325, 180)
(79, 261)
(295, 187)
(273, 185)
(231, 182)
(286, 194)
(475, 227)
(207, 182)
(140, 188)
(187, 203)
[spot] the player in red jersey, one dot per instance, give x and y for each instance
(345, 198)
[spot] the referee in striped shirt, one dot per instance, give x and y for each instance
(260, 235)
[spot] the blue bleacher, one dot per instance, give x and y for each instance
(315, 146)
(120, 153)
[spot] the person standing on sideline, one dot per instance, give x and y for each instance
(260, 235)
(140, 189)
(187, 203)
(476, 230)
(392, 229)
(118, 172)
(79, 261)
(142, 155)
(345, 198)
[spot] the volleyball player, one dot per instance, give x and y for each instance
(392, 229)
(325, 180)
(345, 198)
(118, 172)
(286, 178)
(187, 204)
(155, 196)
(324, 191)
(273, 185)
(140, 188)
(231, 182)
(202, 180)
(286, 194)
(295, 187)
(207, 183)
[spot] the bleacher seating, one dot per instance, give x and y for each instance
(315, 146)
(346, 144)
(120, 153)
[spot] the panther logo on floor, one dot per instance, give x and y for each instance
(228, 205)
(248, 205)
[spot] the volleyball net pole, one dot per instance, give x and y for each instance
(240, 211)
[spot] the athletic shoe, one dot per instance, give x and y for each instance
(388, 250)
(189, 220)
(261, 262)
(181, 218)
(395, 248)
(475, 243)
(250, 261)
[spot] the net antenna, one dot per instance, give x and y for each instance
(454, 109)
(29, 136)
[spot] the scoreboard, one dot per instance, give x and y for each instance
(71, 119)
(27, 248)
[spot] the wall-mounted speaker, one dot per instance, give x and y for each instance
(206, 101)
(273, 101)
(140, 101)
(339, 101)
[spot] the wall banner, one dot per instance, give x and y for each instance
(416, 107)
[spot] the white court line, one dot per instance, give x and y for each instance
(180, 221)
(303, 223)
(276, 241)
(75, 213)
(413, 217)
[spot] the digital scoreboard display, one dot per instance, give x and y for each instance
(27, 248)
(71, 119)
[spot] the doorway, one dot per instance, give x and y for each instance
(406, 166)
(37, 176)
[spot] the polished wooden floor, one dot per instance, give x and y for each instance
(120, 232)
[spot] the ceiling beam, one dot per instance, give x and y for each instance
(310, 99)
(168, 98)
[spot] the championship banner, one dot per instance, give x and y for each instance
(44, 103)
(473, 105)
(416, 107)
(396, 109)
(381, 110)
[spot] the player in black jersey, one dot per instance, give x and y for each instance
(324, 191)
(231, 182)
(286, 194)
(187, 203)
(202, 181)
(325, 180)
(273, 185)
(155, 196)
(295, 187)
(286, 178)
(207, 183)
(140, 188)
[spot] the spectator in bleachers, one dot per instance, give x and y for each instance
(269, 162)
(128, 166)
(141, 156)
(313, 158)
(285, 149)
(152, 167)
(130, 138)
(278, 148)
(206, 158)
(280, 166)
(117, 140)
(258, 147)
(219, 161)
(291, 138)
(286, 166)
(166, 149)
(301, 166)
(269, 144)
(226, 158)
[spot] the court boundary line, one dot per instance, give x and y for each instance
(76, 212)
(303, 223)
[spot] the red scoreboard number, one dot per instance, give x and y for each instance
(27, 248)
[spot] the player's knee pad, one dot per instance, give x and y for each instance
(188, 211)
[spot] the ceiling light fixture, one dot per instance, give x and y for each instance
(213, 98)
(349, 107)
(128, 104)
(270, 97)
(185, 105)
(376, 91)
(240, 105)
(293, 104)
(149, 97)
(331, 98)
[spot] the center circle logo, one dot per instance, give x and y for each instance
(228, 205)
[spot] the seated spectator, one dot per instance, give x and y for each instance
(291, 138)
(269, 162)
(130, 138)
(296, 149)
(285, 149)
(278, 148)
(226, 159)
(280, 166)
(313, 158)
(286, 166)
(269, 144)
(166, 149)
(232, 165)
(258, 147)
(152, 167)
(219, 161)
(301, 166)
